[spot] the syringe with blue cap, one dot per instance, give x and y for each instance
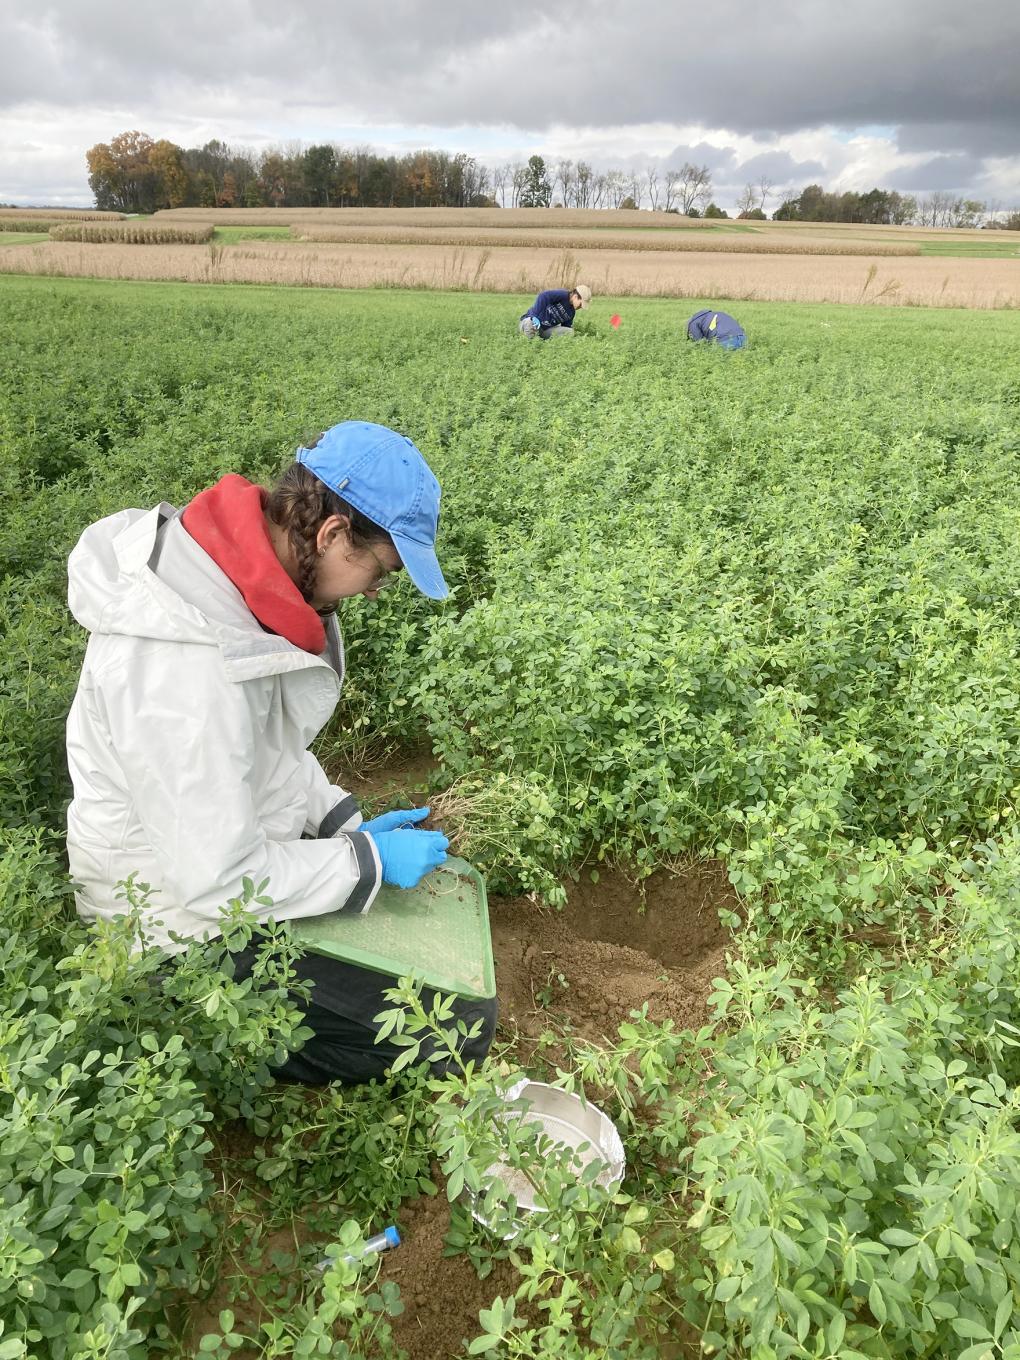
(389, 1237)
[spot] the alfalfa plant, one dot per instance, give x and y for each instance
(503, 824)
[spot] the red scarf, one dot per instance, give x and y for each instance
(227, 521)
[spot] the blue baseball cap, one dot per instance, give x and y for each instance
(382, 474)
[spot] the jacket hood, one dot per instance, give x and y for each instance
(112, 587)
(140, 573)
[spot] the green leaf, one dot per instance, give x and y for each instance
(271, 1167)
(1003, 1314)
(727, 1287)
(486, 1342)
(835, 1332)
(968, 1327)
(876, 1303)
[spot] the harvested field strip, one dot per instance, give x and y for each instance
(61, 214)
(565, 220)
(591, 240)
(574, 219)
(131, 233)
(911, 281)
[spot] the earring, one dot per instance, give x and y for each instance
(322, 552)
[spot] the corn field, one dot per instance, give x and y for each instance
(27, 224)
(58, 215)
(743, 243)
(915, 281)
(131, 233)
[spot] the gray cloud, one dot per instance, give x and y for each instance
(719, 159)
(760, 69)
(953, 172)
(944, 78)
(781, 168)
(978, 138)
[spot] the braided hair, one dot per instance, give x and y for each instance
(299, 503)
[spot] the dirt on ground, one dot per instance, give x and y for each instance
(613, 947)
(578, 971)
(585, 968)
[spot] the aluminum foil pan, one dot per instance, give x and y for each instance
(569, 1122)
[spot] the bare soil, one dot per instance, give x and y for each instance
(610, 950)
(581, 970)
(616, 943)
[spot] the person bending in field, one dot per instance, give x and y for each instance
(718, 327)
(214, 660)
(553, 312)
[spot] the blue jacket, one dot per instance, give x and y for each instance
(552, 308)
(709, 325)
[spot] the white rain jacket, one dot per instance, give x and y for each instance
(187, 743)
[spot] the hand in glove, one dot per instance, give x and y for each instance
(392, 821)
(407, 856)
(536, 324)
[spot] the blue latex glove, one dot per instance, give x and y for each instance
(536, 324)
(392, 821)
(407, 856)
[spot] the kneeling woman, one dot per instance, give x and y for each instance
(214, 661)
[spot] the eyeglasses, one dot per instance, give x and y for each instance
(385, 576)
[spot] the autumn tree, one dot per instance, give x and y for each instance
(121, 174)
(173, 183)
(228, 194)
(273, 179)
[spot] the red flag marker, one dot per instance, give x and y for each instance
(614, 321)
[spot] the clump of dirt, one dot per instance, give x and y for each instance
(442, 1294)
(613, 947)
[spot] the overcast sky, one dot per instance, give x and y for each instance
(916, 95)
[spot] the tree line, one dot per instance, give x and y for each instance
(135, 174)
(887, 207)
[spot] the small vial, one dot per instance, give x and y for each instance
(389, 1237)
